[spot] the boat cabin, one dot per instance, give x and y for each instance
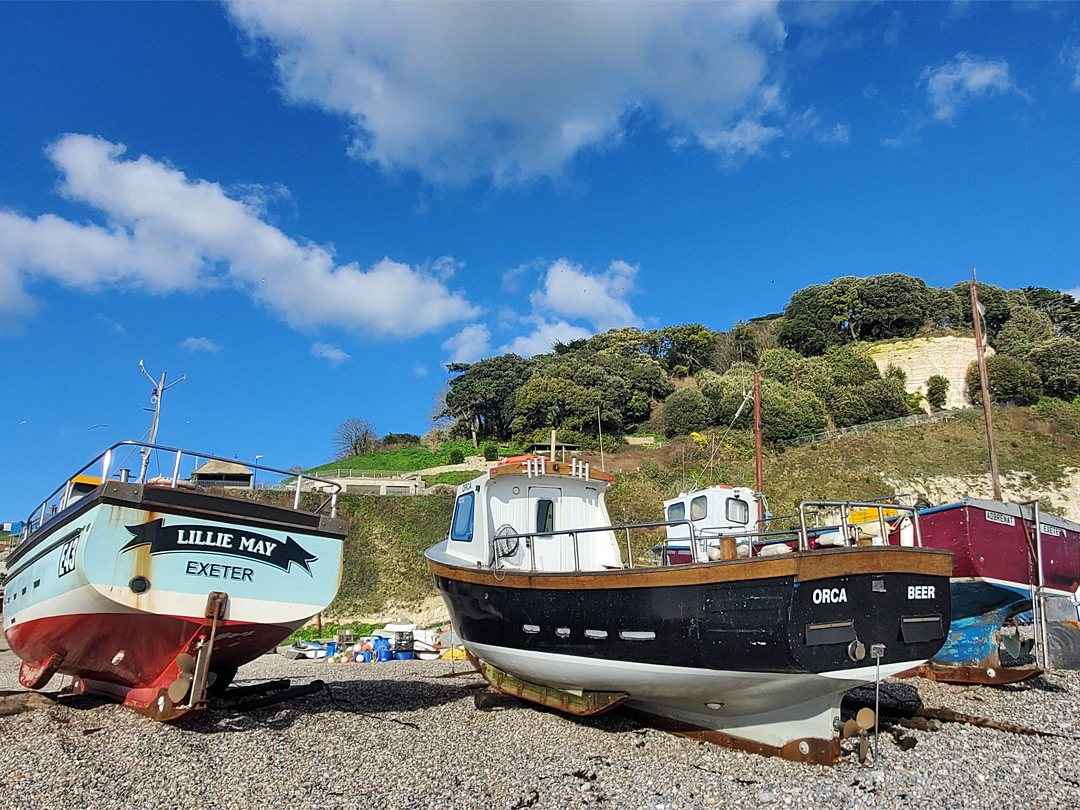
(530, 513)
(714, 512)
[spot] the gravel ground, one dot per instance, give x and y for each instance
(403, 735)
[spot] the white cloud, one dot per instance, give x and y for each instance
(419, 370)
(114, 326)
(810, 123)
(200, 344)
(512, 91)
(956, 83)
(748, 137)
(543, 337)
(1070, 58)
(469, 345)
(599, 298)
(169, 233)
(333, 354)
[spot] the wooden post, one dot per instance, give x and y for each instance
(759, 471)
(976, 318)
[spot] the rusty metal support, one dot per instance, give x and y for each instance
(811, 750)
(216, 602)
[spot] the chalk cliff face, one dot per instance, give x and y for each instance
(921, 358)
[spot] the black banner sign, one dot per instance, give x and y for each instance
(248, 545)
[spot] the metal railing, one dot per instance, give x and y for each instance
(698, 542)
(885, 424)
(845, 526)
(110, 470)
(348, 472)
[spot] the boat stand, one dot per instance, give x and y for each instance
(580, 704)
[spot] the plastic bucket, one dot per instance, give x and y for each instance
(331, 648)
(403, 656)
(384, 654)
(366, 656)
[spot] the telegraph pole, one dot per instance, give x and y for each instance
(977, 311)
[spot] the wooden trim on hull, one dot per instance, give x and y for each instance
(804, 567)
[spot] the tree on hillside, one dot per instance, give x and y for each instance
(945, 309)
(554, 402)
(1026, 328)
(687, 348)
(1011, 381)
(892, 305)
(1058, 364)
(482, 395)
(1062, 309)
(994, 299)
(741, 345)
(353, 437)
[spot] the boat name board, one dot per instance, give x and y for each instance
(1053, 531)
(248, 545)
(997, 517)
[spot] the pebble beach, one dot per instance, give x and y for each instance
(407, 734)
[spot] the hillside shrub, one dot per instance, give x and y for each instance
(685, 411)
(787, 413)
(847, 408)
(491, 452)
(456, 456)
(937, 389)
(885, 399)
(852, 364)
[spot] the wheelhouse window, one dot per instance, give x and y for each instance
(699, 507)
(677, 511)
(738, 511)
(545, 515)
(462, 529)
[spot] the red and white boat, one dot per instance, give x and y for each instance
(146, 591)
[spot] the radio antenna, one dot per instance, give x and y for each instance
(155, 399)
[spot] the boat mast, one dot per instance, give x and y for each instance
(759, 471)
(977, 310)
(159, 391)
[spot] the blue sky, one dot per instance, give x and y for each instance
(310, 209)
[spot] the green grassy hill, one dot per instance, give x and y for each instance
(1039, 449)
(405, 459)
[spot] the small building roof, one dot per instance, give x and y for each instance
(215, 467)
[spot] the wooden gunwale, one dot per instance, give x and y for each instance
(803, 566)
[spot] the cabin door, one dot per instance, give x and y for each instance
(555, 553)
